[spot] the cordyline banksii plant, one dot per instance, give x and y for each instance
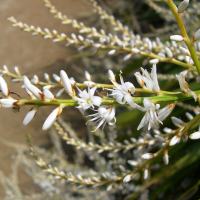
(127, 168)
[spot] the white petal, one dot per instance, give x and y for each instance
(148, 104)
(129, 86)
(96, 100)
(120, 99)
(130, 101)
(91, 91)
(111, 115)
(165, 112)
(156, 87)
(143, 122)
(102, 111)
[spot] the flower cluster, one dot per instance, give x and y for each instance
(121, 93)
(150, 103)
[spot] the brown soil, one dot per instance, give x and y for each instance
(33, 55)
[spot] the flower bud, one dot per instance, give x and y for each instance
(4, 87)
(7, 103)
(174, 140)
(57, 78)
(183, 5)
(195, 136)
(111, 75)
(35, 91)
(127, 178)
(169, 52)
(66, 83)
(196, 35)
(46, 77)
(166, 157)
(177, 38)
(48, 94)
(88, 76)
(147, 156)
(30, 115)
(51, 118)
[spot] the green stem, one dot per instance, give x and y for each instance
(175, 97)
(184, 34)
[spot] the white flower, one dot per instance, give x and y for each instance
(150, 81)
(184, 85)
(122, 92)
(104, 114)
(150, 116)
(87, 99)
